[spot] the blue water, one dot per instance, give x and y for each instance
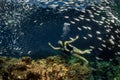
(35, 23)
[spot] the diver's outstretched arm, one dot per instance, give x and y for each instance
(71, 40)
(86, 51)
(55, 48)
(78, 51)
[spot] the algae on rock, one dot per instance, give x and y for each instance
(51, 68)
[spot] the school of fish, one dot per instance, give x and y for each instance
(107, 31)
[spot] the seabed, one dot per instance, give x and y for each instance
(51, 68)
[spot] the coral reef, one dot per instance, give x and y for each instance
(107, 70)
(51, 68)
(57, 68)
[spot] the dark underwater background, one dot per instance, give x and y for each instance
(40, 25)
(26, 29)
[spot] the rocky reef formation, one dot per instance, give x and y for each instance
(51, 68)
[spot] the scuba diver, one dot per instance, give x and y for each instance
(68, 49)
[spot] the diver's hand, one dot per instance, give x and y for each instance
(74, 38)
(49, 43)
(77, 36)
